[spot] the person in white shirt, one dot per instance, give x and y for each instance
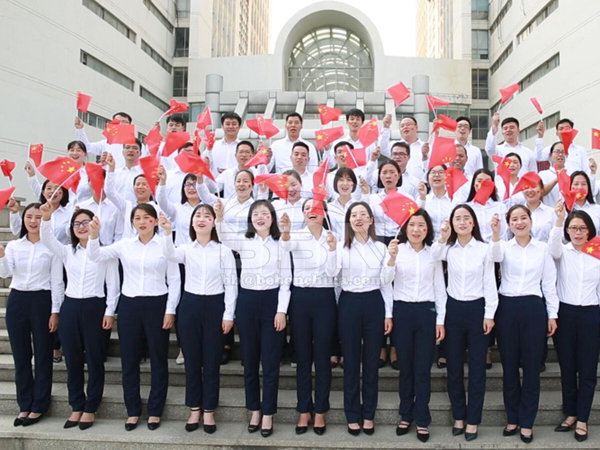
(581, 181)
(261, 307)
(526, 315)
(175, 124)
(149, 298)
(32, 309)
(419, 150)
(577, 158)
(368, 172)
(365, 307)
(550, 176)
(470, 309)
(312, 312)
(124, 175)
(510, 132)
(542, 216)
(355, 118)
(514, 168)
(492, 206)
(300, 157)
(225, 181)
(282, 148)
(100, 147)
(419, 312)
(222, 155)
(87, 314)
(205, 312)
(437, 202)
(475, 159)
(293, 205)
(344, 184)
(461, 161)
(576, 340)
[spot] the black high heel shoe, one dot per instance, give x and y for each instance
(19, 421)
(131, 426)
(580, 437)
(153, 425)
(210, 429)
(27, 421)
(527, 439)
(509, 431)
(254, 428)
(193, 426)
(423, 434)
(401, 431)
(369, 431)
(353, 432)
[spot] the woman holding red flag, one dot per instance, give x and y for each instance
(486, 203)
(580, 181)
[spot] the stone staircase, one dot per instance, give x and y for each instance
(109, 433)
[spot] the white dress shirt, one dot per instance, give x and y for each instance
(226, 180)
(124, 181)
(146, 272)
(110, 217)
(337, 216)
(97, 148)
(86, 278)
(528, 160)
(209, 277)
(578, 273)
(294, 211)
(360, 269)
(282, 152)
(484, 215)
(462, 193)
(551, 197)
(314, 264)
(474, 158)
(527, 270)
(61, 219)
(415, 166)
(180, 214)
(576, 160)
(470, 273)
(222, 155)
(33, 268)
(543, 219)
(439, 209)
(417, 278)
(264, 265)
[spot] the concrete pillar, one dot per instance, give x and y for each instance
(420, 88)
(214, 86)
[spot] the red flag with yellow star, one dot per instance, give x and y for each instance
(369, 132)
(7, 168)
(434, 102)
(328, 114)
(262, 127)
(149, 165)
(573, 196)
(445, 122)
(502, 170)
(196, 140)
(564, 180)
(398, 207)
(174, 141)
(442, 152)
(320, 175)
(153, 140)
(399, 93)
(453, 179)
(592, 247)
(527, 181)
(279, 184)
(5, 195)
(62, 171)
(191, 163)
(83, 102)
(595, 139)
(327, 136)
(115, 133)
(319, 196)
(567, 136)
(176, 107)
(355, 157)
(209, 139)
(261, 157)
(95, 173)
(486, 189)
(35, 153)
(204, 119)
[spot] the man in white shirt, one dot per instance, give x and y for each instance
(355, 119)
(282, 148)
(125, 175)
(463, 130)
(300, 159)
(577, 156)
(97, 148)
(175, 176)
(222, 156)
(510, 132)
(419, 150)
(226, 180)
(175, 124)
(462, 159)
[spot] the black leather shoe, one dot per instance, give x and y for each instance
(153, 426)
(441, 365)
(509, 432)
(266, 432)
(381, 363)
(564, 428)
(488, 366)
(395, 365)
(470, 436)
(320, 430)
(301, 430)
(130, 426)
(580, 437)
(70, 424)
(29, 421)
(354, 432)
(423, 437)
(401, 431)
(369, 431)
(457, 431)
(542, 368)
(189, 427)
(225, 356)
(85, 425)
(210, 429)
(18, 421)
(253, 428)
(527, 439)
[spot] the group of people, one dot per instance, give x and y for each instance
(202, 255)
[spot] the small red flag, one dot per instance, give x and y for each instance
(262, 127)
(434, 102)
(453, 179)
(83, 102)
(399, 93)
(116, 133)
(5, 195)
(196, 139)
(595, 139)
(209, 139)
(319, 196)
(567, 136)
(564, 181)
(204, 119)
(443, 151)
(329, 114)
(176, 107)
(572, 197)
(369, 132)
(62, 171)
(153, 140)
(503, 171)
(592, 247)
(35, 153)
(261, 157)
(398, 207)
(508, 92)
(486, 189)
(7, 168)
(445, 122)
(174, 141)
(327, 136)
(320, 175)
(527, 181)
(191, 163)
(537, 105)
(279, 184)
(356, 157)
(149, 165)
(95, 173)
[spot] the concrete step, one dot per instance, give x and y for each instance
(6, 235)
(4, 291)
(232, 406)
(109, 434)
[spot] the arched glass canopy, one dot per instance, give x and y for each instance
(330, 59)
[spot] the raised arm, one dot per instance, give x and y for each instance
(47, 235)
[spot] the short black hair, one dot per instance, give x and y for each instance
(356, 113)
(342, 144)
(35, 205)
(274, 230)
(389, 162)
(123, 114)
(401, 144)
(430, 234)
(79, 143)
(466, 119)
(231, 115)
(516, 155)
(142, 175)
(177, 118)
(186, 145)
(64, 201)
(411, 118)
(511, 120)
(589, 223)
(137, 141)
(341, 172)
(74, 238)
(554, 145)
(301, 144)
(294, 114)
(189, 176)
(248, 143)
(565, 120)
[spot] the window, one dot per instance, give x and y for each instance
(537, 20)
(195, 110)
(481, 123)
(479, 9)
(540, 71)
(180, 82)
(182, 42)
(149, 96)
(161, 18)
(479, 44)
(106, 70)
(183, 9)
(498, 20)
(156, 57)
(109, 18)
(479, 84)
(531, 130)
(452, 110)
(503, 57)
(93, 120)
(141, 136)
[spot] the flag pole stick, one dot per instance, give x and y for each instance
(61, 184)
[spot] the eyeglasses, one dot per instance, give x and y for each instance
(437, 173)
(558, 152)
(188, 185)
(83, 223)
(400, 154)
(463, 126)
(578, 229)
